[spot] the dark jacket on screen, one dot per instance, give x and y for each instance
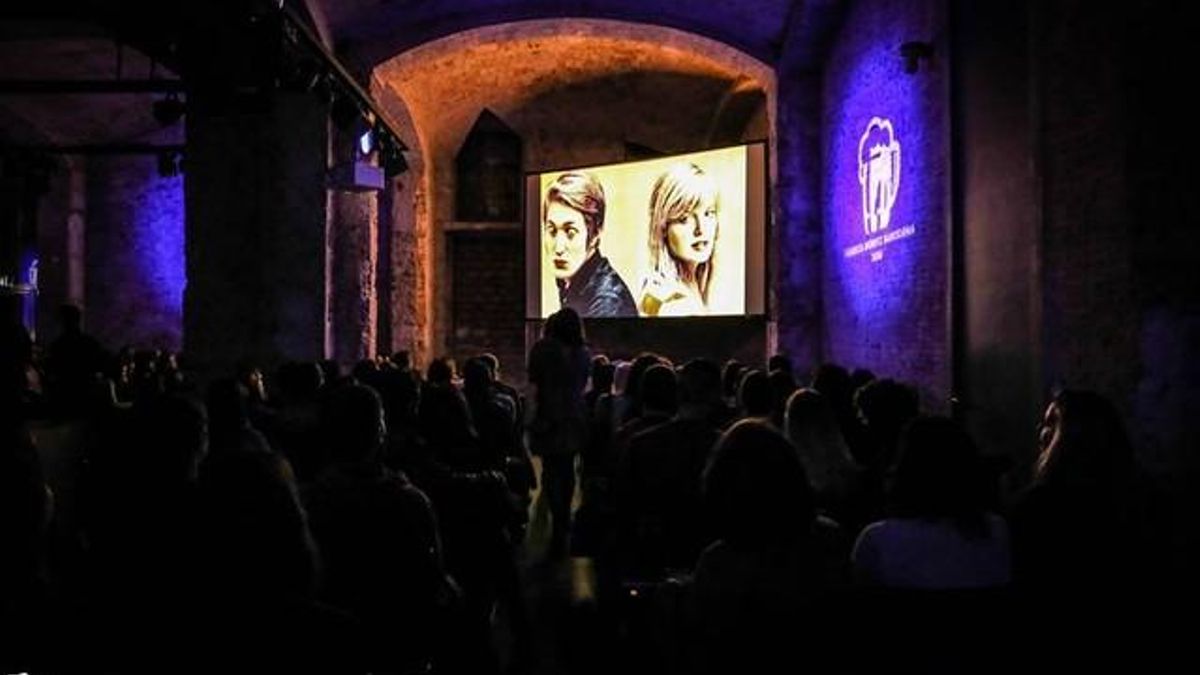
(596, 290)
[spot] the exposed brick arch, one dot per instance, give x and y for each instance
(626, 82)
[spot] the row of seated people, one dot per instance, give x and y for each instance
(728, 513)
(356, 527)
(719, 535)
(284, 531)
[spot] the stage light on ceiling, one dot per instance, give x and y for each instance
(366, 143)
(169, 110)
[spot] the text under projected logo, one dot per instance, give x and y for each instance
(879, 184)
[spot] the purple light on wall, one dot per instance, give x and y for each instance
(874, 262)
(885, 269)
(134, 253)
(159, 233)
(27, 282)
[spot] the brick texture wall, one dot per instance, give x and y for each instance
(1090, 325)
(405, 306)
(1000, 378)
(890, 315)
(354, 244)
(53, 261)
(1121, 303)
(134, 253)
(574, 97)
(1078, 256)
(489, 298)
(405, 250)
(795, 270)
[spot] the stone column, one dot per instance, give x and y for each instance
(404, 312)
(256, 230)
(76, 258)
(409, 259)
(354, 251)
(796, 237)
(60, 232)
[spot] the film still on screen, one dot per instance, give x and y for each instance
(659, 238)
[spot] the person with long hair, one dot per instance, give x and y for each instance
(811, 425)
(1091, 518)
(940, 533)
(558, 368)
(684, 227)
(761, 580)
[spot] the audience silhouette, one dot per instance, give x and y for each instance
(381, 522)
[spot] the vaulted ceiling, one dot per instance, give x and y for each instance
(376, 30)
(364, 33)
(66, 118)
(586, 77)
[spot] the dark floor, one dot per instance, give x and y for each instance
(557, 611)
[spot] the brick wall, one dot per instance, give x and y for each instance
(891, 314)
(575, 97)
(405, 307)
(1078, 256)
(489, 298)
(715, 338)
(405, 250)
(135, 272)
(1000, 378)
(1090, 324)
(354, 244)
(1121, 303)
(795, 270)
(668, 112)
(53, 259)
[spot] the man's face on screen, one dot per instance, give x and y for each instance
(565, 240)
(692, 237)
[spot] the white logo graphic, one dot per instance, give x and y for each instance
(878, 173)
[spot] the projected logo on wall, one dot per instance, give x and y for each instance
(879, 182)
(878, 173)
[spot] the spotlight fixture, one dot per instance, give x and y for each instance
(913, 52)
(366, 143)
(348, 104)
(168, 110)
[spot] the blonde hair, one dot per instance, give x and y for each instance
(677, 193)
(811, 425)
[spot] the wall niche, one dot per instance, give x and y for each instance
(488, 173)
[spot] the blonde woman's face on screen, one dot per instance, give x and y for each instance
(691, 238)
